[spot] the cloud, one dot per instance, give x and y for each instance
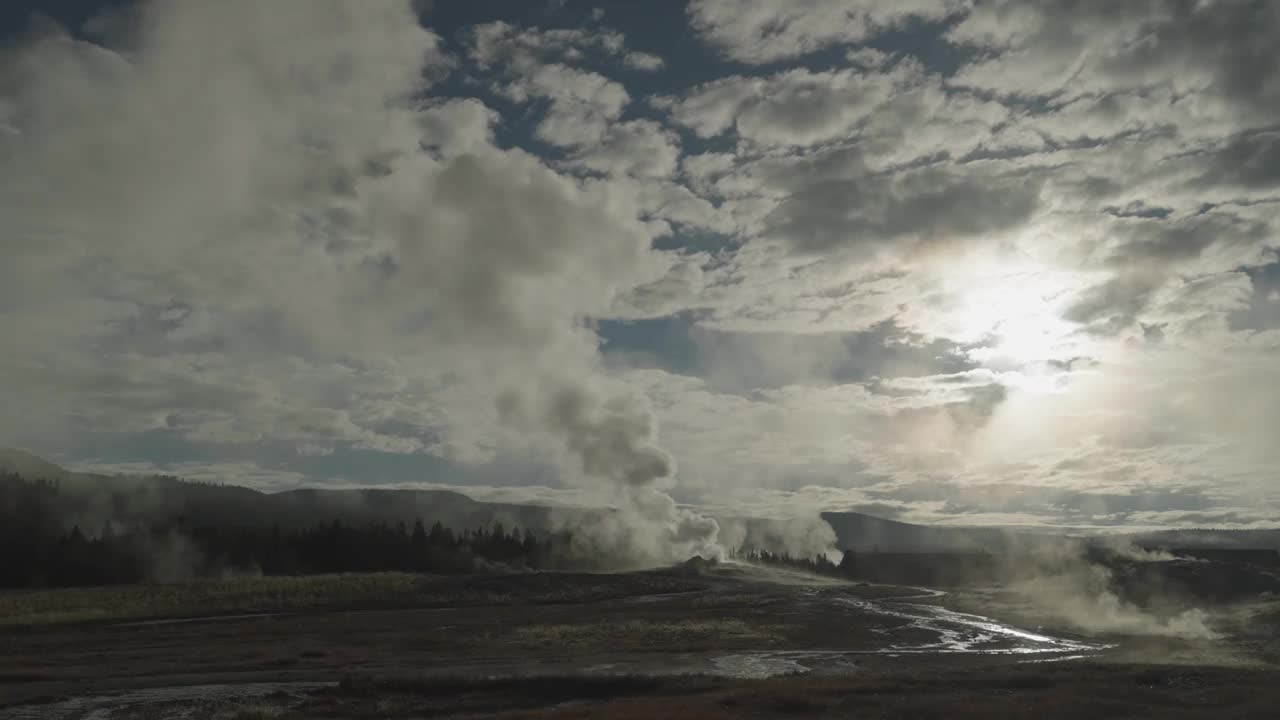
(961, 262)
(311, 224)
(545, 64)
(928, 206)
(523, 48)
(759, 31)
(643, 61)
(583, 103)
(1214, 49)
(640, 148)
(796, 107)
(897, 112)
(285, 215)
(1249, 161)
(457, 125)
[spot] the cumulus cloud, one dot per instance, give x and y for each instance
(310, 254)
(583, 103)
(501, 43)
(289, 210)
(643, 61)
(640, 148)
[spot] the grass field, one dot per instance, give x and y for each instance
(198, 598)
(638, 633)
(428, 643)
(204, 597)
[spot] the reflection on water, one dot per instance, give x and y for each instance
(951, 632)
(958, 632)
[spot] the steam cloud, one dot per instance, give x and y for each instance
(615, 439)
(372, 225)
(1060, 579)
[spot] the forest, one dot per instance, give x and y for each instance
(39, 550)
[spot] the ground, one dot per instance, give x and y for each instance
(737, 642)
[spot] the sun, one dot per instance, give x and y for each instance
(1010, 318)
(1012, 322)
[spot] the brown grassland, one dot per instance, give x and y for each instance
(397, 645)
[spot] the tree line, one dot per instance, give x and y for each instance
(41, 546)
(817, 565)
(38, 550)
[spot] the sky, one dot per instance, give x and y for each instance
(1010, 262)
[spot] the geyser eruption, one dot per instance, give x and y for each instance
(614, 436)
(368, 230)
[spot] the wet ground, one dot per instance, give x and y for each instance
(738, 622)
(181, 701)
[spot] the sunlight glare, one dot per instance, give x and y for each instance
(1012, 318)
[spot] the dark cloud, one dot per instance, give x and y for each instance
(1164, 241)
(1250, 160)
(1112, 306)
(1225, 48)
(933, 205)
(1139, 209)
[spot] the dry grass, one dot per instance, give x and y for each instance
(1047, 693)
(391, 590)
(204, 597)
(255, 712)
(637, 633)
(725, 601)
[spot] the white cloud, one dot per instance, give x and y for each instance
(457, 126)
(639, 148)
(644, 61)
(583, 103)
(797, 107)
(897, 113)
(206, 252)
(898, 287)
(761, 31)
(500, 43)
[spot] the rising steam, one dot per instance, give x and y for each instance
(614, 438)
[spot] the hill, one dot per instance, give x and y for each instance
(89, 500)
(868, 534)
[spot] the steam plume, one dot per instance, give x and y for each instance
(614, 437)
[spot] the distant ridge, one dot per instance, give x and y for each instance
(90, 499)
(866, 533)
(29, 465)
